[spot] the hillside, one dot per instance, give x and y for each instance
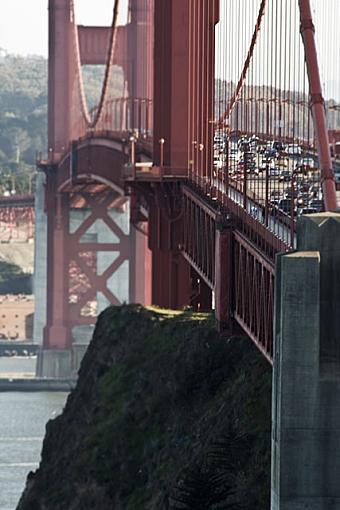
(165, 415)
(23, 119)
(23, 115)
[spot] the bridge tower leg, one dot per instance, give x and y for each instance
(55, 359)
(171, 276)
(306, 375)
(61, 76)
(93, 261)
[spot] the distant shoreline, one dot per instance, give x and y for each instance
(36, 384)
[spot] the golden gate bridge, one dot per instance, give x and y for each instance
(183, 188)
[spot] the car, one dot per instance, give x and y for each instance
(243, 144)
(285, 205)
(304, 187)
(307, 161)
(270, 153)
(307, 210)
(219, 137)
(253, 142)
(260, 147)
(274, 171)
(233, 153)
(335, 149)
(290, 192)
(259, 169)
(300, 180)
(278, 145)
(293, 149)
(250, 166)
(221, 146)
(248, 156)
(276, 194)
(314, 189)
(285, 175)
(305, 168)
(303, 200)
(280, 161)
(316, 203)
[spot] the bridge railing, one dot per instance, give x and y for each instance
(120, 115)
(17, 218)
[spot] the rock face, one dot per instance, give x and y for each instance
(165, 415)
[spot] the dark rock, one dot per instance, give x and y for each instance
(158, 394)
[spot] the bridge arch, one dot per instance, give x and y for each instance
(93, 159)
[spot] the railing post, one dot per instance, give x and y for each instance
(161, 152)
(223, 273)
(266, 211)
(133, 155)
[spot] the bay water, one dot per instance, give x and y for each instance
(23, 416)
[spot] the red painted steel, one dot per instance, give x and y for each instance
(199, 236)
(223, 273)
(171, 285)
(253, 306)
(92, 122)
(17, 218)
(61, 75)
(247, 62)
(75, 276)
(318, 105)
(192, 92)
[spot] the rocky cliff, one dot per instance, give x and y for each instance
(165, 415)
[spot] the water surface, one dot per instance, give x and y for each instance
(22, 427)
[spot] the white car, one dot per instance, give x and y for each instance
(234, 154)
(274, 172)
(293, 150)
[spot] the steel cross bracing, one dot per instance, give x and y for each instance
(17, 219)
(220, 135)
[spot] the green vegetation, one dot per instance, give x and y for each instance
(13, 280)
(9, 271)
(23, 120)
(166, 415)
(23, 115)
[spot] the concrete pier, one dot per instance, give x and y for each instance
(306, 375)
(40, 260)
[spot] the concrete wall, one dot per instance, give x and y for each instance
(306, 375)
(40, 261)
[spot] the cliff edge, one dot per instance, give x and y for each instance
(166, 415)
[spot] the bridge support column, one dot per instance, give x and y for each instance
(55, 359)
(171, 279)
(171, 283)
(61, 76)
(306, 375)
(141, 272)
(223, 275)
(56, 333)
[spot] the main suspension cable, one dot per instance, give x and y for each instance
(91, 123)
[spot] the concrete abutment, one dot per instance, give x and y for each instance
(306, 375)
